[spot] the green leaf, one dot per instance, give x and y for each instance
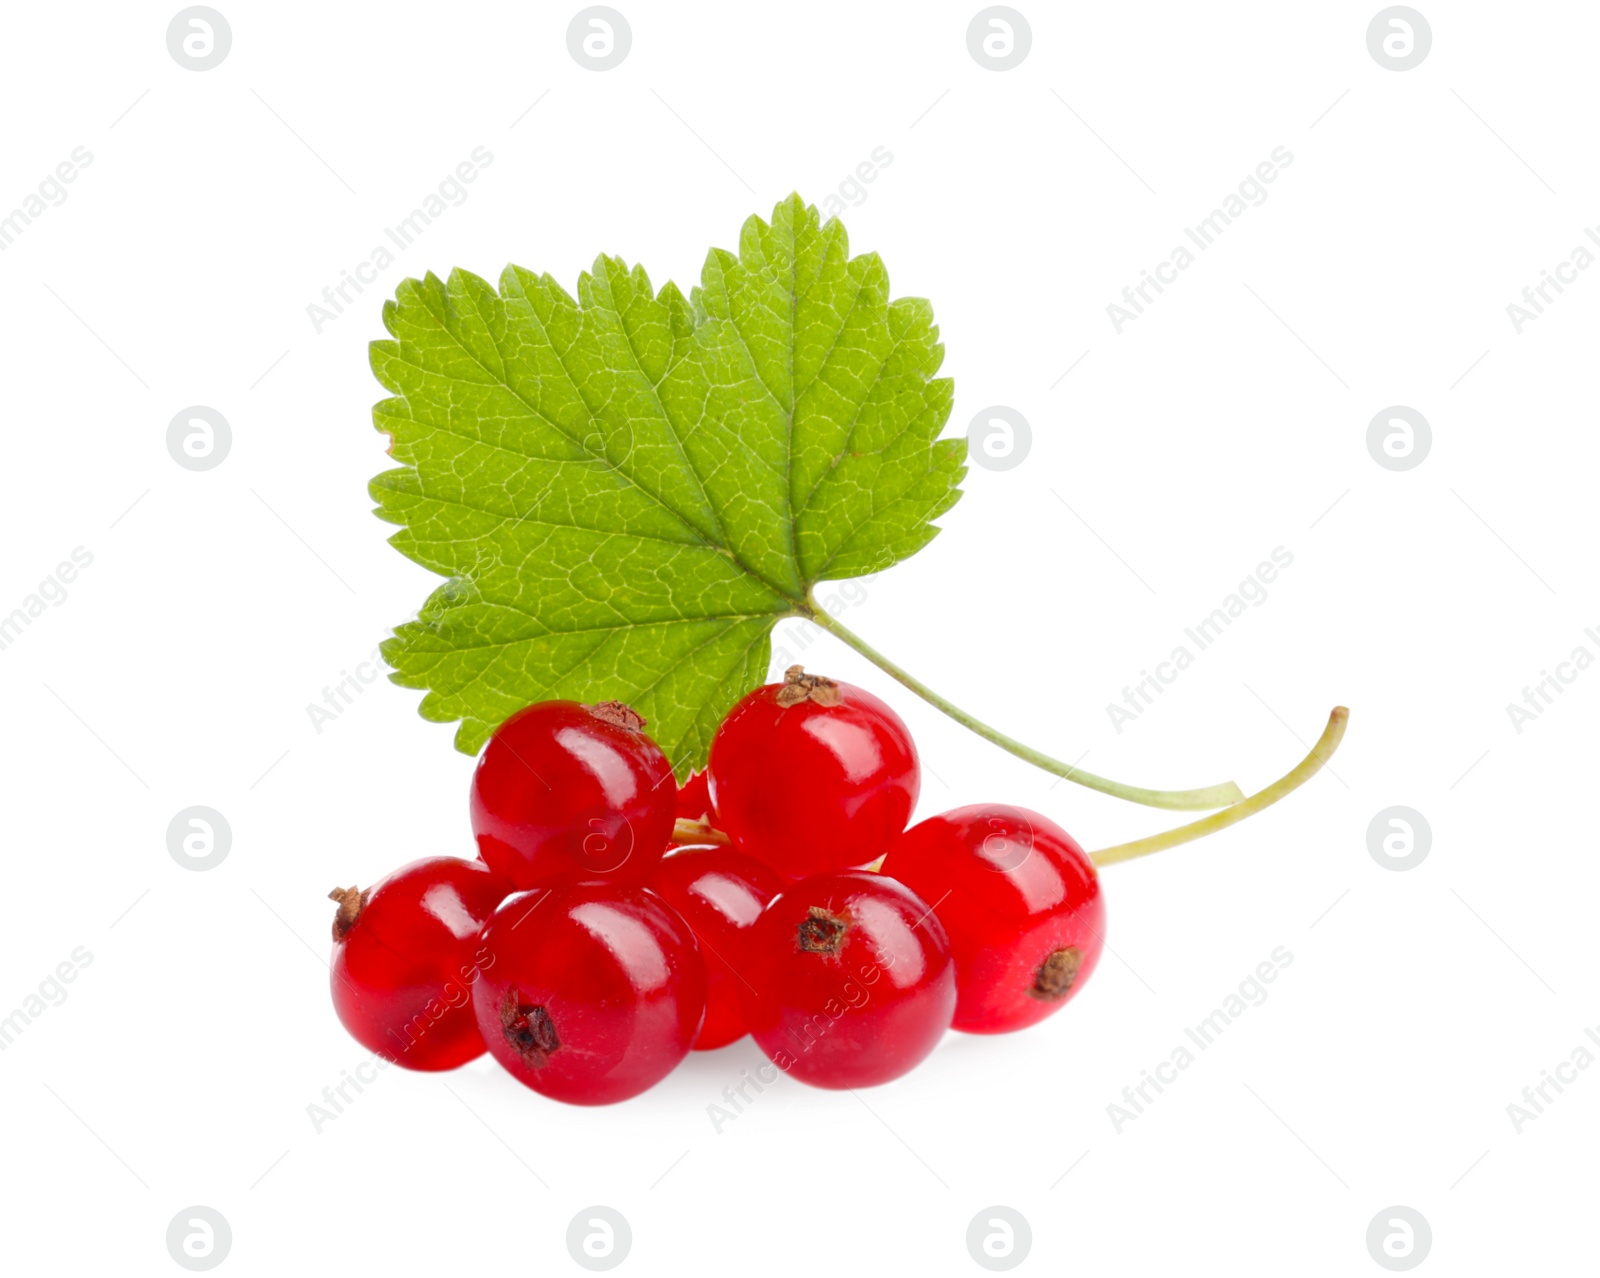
(627, 491)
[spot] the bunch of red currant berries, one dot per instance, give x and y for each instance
(614, 922)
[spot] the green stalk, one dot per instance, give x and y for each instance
(1203, 800)
(1293, 780)
(685, 832)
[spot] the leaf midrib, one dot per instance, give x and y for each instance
(553, 632)
(498, 380)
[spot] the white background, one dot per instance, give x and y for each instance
(1229, 419)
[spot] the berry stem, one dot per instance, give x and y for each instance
(1302, 772)
(685, 831)
(351, 902)
(1202, 800)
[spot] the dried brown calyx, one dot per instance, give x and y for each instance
(352, 900)
(820, 932)
(1057, 974)
(529, 1029)
(619, 713)
(799, 686)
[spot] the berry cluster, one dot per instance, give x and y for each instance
(614, 922)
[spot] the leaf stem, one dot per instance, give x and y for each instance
(1215, 796)
(1302, 772)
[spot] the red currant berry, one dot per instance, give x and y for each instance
(720, 894)
(850, 981)
(810, 775)
(594, 992)
(405, 957)
(694, 799)
(568, 791)
(1021, 902)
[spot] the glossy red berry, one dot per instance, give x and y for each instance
(405, 958)
(572, 792)
(1021, 902)
(720, 894)
(694, 799)
(850, 980)
(810, 775)
(594, 992)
